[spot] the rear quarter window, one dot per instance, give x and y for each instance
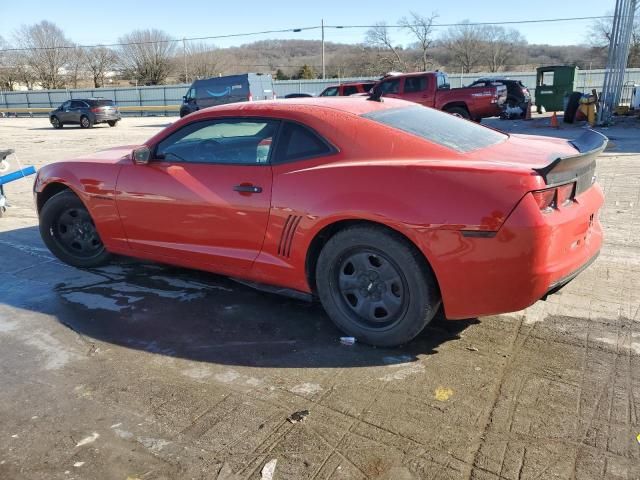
(298, 142)
(100, 103)
(438, 127)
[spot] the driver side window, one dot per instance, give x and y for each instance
(226, 141)
(390, 86)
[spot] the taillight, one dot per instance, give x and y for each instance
(552, 198)
(545, 199)
(96, 110)
(565, 194)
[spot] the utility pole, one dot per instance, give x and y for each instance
(322, 28)
(184, 56)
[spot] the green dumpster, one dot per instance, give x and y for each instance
(552, 85)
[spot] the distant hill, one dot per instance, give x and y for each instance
(349, 60)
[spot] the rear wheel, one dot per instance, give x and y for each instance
(85, 122)
(459, 112)
(112, 123)
(56, 123)
(375, 286)
(68, 231)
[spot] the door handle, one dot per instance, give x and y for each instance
(247, 189)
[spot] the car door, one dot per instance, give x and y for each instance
(75, 111)
(203, 199)
(415, 90)
(391, 87)
(64, 112)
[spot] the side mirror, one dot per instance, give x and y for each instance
(141, 155)
(184, 98)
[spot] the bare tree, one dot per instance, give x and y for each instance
(465, 42)
(147, 55)
(46, 51)
(421, 28)
(75, 66)
(8, 78)
(378, 36)
(100, 61)
(499, 45)
(601, 36)
(203, 61)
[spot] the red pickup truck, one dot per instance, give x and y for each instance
(432, 89)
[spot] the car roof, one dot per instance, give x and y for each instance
(343, 84)
(353, 105)
(496, 79)
(411, 74)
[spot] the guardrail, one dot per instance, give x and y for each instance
(166, 99)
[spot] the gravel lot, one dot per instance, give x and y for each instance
(142, 371)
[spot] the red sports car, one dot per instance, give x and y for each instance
(384, 210)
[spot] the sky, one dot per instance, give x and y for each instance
(89, 23)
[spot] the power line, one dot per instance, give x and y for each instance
(301, 29)
(508, 22)
(169, 40)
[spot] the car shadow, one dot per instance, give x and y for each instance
(71, 127)
(189, 314)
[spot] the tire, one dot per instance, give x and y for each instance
(56, 123)
(572, 107)
(350, 283)
(112, 123)
(68, 231)
(85, 122)
(459, 112)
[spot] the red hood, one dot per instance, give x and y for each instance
(111, 155)
(525, 151)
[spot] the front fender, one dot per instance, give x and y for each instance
(94, 183)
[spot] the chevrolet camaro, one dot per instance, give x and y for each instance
(383, 210)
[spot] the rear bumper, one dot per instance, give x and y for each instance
(557, 286)
(533, 255)
(107, 118)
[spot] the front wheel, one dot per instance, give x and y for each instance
(56, 123)
(67, 229)
(375, 286)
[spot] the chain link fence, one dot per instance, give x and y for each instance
(166, 99)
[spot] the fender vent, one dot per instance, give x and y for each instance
(286, 239)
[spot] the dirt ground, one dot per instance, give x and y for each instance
(142, 371)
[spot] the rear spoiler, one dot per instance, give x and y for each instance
(578, 168)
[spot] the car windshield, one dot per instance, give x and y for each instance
(100, 103)
(438, 127)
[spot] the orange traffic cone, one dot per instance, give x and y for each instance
(554, 120)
